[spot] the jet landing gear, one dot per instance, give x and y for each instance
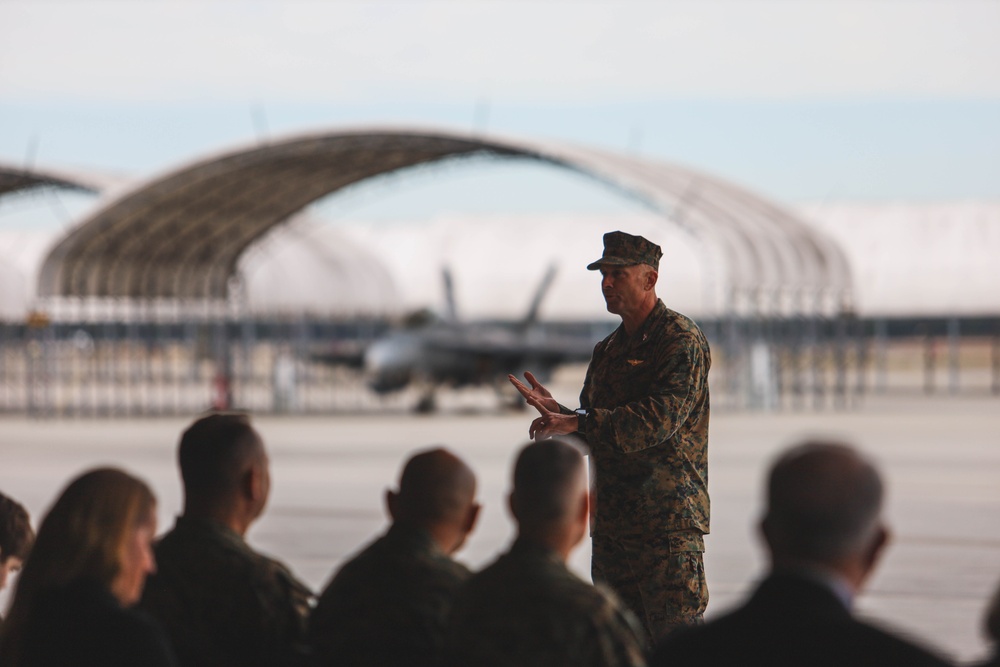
(427, 403)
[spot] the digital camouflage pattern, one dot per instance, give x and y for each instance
(223, 604)
(621, 249)
(528, 609)
(647, 427)
(389, 605)
(662, 582)
(647, 430)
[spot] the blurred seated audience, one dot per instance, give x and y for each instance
(72, 601)
(222, 603)
(824, 532)
(527, 609)
(389, 604)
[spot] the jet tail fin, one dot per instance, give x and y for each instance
(451, 310)
(536, 301)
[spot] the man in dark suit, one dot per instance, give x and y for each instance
(824, 531)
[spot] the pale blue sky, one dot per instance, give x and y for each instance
(807, 100)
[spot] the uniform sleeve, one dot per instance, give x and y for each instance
(588, 378)
(676, 390)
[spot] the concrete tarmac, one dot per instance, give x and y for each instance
(940, 455)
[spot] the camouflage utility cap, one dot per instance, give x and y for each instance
(621, 249)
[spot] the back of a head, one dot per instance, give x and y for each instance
(16, 534)
(435, 486)
(548, 480)
(824, 501)
(213, 454)
(991, 622)
(81, 537)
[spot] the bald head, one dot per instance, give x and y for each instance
(215, 454)
(435, 486)
(824, 501)
(549, 479)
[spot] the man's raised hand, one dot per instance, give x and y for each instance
(541, 395)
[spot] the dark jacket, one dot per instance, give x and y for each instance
(790, 620)
(389, 605)
(83, 625)
(527, 609)
(222, 603)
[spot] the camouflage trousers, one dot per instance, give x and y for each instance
(662, 580)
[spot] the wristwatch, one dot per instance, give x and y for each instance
(581, 420)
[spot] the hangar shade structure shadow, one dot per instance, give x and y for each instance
(179, 235)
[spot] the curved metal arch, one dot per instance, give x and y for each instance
(18, 179)
(180, 235)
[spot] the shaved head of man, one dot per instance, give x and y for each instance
(436, 492)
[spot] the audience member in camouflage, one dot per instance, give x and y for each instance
(390, 604)
(644, 415)
(527, 608)
(222, 603)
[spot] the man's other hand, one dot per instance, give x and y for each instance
(550, 423)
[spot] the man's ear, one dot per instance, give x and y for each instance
(392, 503)
(512, 506)
(651, 277)
(766, 532)
(252, 483)
(471, 517)
(876, 548)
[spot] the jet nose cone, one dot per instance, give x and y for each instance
(389, 364)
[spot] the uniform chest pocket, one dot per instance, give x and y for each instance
(636, 374)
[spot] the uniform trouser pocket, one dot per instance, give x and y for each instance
(662, 580)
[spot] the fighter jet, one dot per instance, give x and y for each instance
(430, 351)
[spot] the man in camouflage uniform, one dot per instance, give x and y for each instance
(222, 603)
(527, 609)
(389, 605)
(644, 415)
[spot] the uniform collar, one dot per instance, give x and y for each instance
(414, 537)
(826, 578)
(206, 526)
(641, 335)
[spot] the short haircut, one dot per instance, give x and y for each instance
(214, 452)
(16, 535)
(824, 499)
(435, 486)
(546, 474)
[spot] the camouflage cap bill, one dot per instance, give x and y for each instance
(621, 249)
